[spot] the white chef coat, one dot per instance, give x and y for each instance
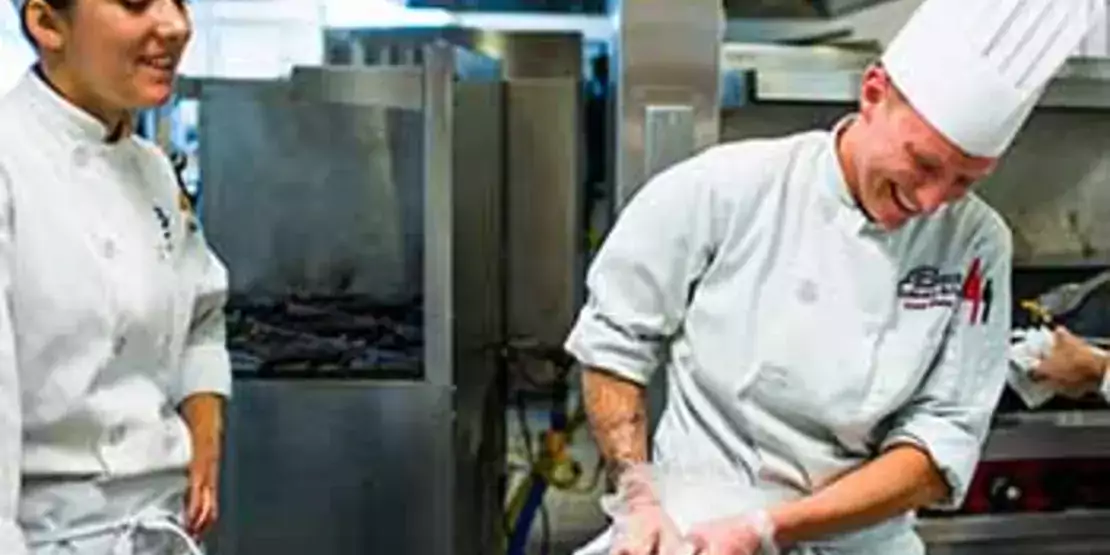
(112, 309)
(800, 340)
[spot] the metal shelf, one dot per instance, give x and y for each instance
(1055, 435)
(1097, 260)
(999, 528)
(828, 74)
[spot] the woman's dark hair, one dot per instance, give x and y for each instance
(58, 5)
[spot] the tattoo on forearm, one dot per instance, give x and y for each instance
(618, 417)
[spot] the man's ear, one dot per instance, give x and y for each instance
(875, 91)
(44, 24)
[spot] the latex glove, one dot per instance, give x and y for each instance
(746, 535)
(640, 526)
(1071, 366)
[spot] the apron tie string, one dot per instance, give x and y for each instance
(153, 521)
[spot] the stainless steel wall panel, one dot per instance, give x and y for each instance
(336, 468)
(479, 319)
(667, 53)
(294, 171)
(438, 211)
(311, 197)
(381, 87)
(544, 184)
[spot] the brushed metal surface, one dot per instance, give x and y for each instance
(332, 467)
(381, 87)
(309, 196)
(1017, 529)
(832, 74)
(664, 52)
(543, 196)
(439, 215)
(1077, 434)
(669, 136)
(478, 315)
(337, 468)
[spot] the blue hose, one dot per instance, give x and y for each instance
(527, 516)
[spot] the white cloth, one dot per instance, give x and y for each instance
(1027, 348)
(112, 307)
(800, 340)
(134, 516)
(975, 69)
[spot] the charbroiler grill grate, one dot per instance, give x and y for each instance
(324, 335)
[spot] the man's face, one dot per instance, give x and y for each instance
(125, 52)
(904, 167)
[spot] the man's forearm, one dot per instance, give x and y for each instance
(900, 480)
(617, 410)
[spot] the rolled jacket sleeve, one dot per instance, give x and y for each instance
(205, 364)
(640, 281)
(950, 414)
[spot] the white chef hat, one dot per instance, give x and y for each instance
(974, 69)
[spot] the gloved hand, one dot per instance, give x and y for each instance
(750, 534)
(640, 526)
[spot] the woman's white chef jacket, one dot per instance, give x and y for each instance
(112, 306)
(799, 339)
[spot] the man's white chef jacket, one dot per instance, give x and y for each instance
(112, 305)
(799, 339)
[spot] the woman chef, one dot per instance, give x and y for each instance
(113, 367)
(832, 308)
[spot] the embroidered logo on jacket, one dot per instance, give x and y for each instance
(165, 225)
(979, 293)
(926, 287)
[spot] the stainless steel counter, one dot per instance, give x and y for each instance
(1070, 532)
(1032, 436)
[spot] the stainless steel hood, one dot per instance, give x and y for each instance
(820, 9)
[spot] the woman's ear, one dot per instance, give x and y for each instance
(44, 24)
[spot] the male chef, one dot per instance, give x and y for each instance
(832, 307)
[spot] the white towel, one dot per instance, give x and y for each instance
(1027, 346)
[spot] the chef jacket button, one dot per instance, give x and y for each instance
(170, 442)
(807, 291)
(109, 248)
(115, 434)
(119, 345)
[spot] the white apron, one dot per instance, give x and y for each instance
(130, 516)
